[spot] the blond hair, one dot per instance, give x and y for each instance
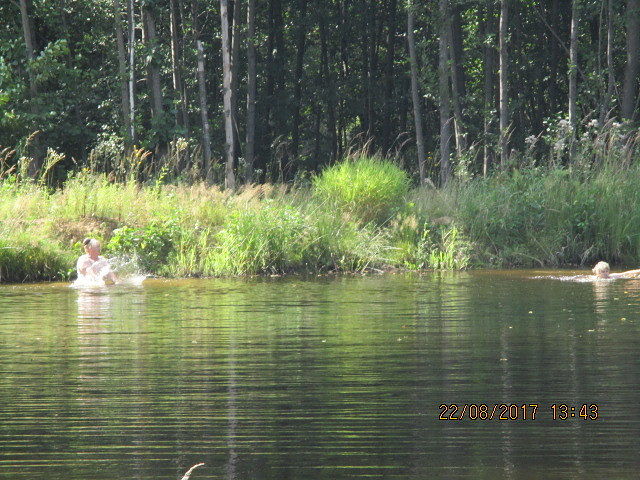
(601, 268)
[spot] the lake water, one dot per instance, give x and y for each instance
(322, 378)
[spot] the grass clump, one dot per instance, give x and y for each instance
(367, 188)
(417, 245)
(271, 239)
(26, 260)
(276, 237)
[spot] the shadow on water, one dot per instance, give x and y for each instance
(320, 377)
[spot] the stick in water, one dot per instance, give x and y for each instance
(188, 474)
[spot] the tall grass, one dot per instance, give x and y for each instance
(537, 217)
(27, 259)
(525, 217)
(368, 188)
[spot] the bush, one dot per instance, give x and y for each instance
(152, 244)
(369, 189)
(23, 260)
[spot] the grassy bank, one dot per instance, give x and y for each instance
(360, 215)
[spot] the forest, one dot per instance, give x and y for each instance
(251, 91)
(443, 134)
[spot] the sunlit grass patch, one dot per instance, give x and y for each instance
(367, 188)
(24, 259)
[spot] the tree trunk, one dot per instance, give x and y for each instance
(387, 118)
(504, 84)
(369, 51)
(415, 95)
(235, 65)
(275, 106)
(555, 59)
(297, 91)
(445, 95)
(27, 29)
(458, 49)
(328, 80)
(153, 71)
(611, 81)
(132, 72)
(633, 60)
(202, 96)
(251, 91)
(229, 148)
(176, 67)
(122, 71)
(457, 90)
(488, 67)
(573, 68)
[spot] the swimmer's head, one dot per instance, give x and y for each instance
(601, 270)
(91, 245)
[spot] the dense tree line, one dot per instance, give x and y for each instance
(272, 89)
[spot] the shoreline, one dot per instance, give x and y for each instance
(536, 218)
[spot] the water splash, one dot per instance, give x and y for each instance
(126, 269)
(573, 278)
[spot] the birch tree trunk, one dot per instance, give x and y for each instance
(202, 96)
(415, 94)
(235, 65)
(229, 179)
(445, 95)
(504, 84)
(122, 70)
(251, 91)
(132, 73)
(632, 67)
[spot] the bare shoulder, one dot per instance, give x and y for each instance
(84, 259)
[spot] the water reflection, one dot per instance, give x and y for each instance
(318, 378)
(93, 306)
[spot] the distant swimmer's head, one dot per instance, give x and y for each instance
(601, 270)
(91, 246)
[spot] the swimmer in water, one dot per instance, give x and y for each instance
(92, 266)
(602, 270)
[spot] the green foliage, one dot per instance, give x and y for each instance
(152, 244)
(367, 188)
(272, 239)
(418, 245)
(539, 217)
(23, 259)
(451, 251)
(527, 217)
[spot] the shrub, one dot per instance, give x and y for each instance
(152, 244)
(25, 260)
(367, 188)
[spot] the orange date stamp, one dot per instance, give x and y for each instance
(515, 411)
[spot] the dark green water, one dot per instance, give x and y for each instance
(327, 378)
